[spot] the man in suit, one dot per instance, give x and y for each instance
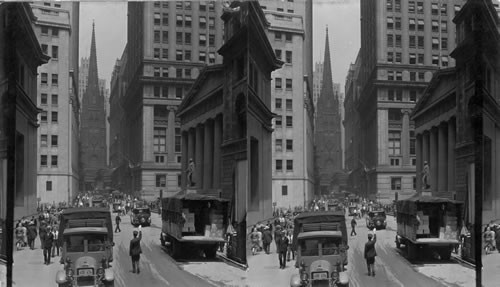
(47, 245)
(282, 249)
(370, 253)
(135, 250)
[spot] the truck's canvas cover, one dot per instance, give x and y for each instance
(327, 217)
(175, 203)
(410, 205)
(87, 213)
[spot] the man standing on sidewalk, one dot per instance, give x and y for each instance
(370, 252)
(135, 250)
(353, 225)
(282, 249)
(118, 220)
(267, 238)
(47, 245)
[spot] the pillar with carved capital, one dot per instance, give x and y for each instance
(405, 137)
(208, 154)
(171, 134)
(433, 159)
(198, 162)
(420, 161)
(184, 158)
(217, 151)
(442, 158)
(451, 155)
(190, 152)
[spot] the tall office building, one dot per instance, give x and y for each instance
(93, 127)
(168, 45)
(402, 44)
(292, 101)
(57, 29)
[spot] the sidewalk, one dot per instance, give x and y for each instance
(491, 269)
(264, 270)
(28, 268)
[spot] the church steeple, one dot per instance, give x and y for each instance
(93, 77)
(327, 96)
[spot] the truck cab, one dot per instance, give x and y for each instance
(376, 219)
(140, 216)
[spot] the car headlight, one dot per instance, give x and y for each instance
(100, 271)
(335, 275)
(304, 276)
(69, 273)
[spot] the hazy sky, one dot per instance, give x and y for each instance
(341, 16)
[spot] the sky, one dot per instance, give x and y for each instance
(341, 16)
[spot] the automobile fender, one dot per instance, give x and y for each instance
(61, 277)
(343, 278)
(295, 281)
(109, 275)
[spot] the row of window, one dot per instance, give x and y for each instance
(161, 180)
(162, 92)
(57, 5)
(44, 99)
(397, 95)
(414, 76)
(279, 104)
(395, 139)
(278, 83)
(54, 79)
(396, 183)
(45, 31)
(185, 38)
(279, 165)
(55, 51)
(395, 57)
(186, 5)
(418, 7)
(288, 56)
(44, 160)
(160, 140)
(279, 121)
(279, 145)
(184, 21)
(44, 116)
(44, 140)
(278, 36)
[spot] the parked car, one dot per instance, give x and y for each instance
(376, 219)
(140, 216)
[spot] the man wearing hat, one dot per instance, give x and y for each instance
(135, 250)
(267, 238)
(370, 252)
(282, 249)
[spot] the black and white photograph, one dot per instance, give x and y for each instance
(252, 143)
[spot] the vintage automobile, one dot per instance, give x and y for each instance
(320, 239)
(353, 210)
(376, 219)
(140, 216)
(115, 206)
(87, 249)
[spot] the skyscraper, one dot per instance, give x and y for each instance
(93, 127)
(57, 29)
(328, 136)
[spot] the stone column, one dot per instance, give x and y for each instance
(199, 156)
(420, 161)
(442, 175)
(208, 154)
(433, 162)
(405, 137)
(171, 134)
(148, 133)
(190, 149)
(184, 158)
(217, 151)
(425, 147)
(451, 155)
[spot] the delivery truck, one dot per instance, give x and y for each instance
(428, 225)
(193, 221)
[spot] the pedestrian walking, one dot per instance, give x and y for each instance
(42, 232)
(290, 254)
(267, 238)
(277, 236)
(55, 244)
(282, 249)
(47, 245)
(353, 225)
(370, 252)
(117, 221)
(135, 250)
(32, 233)
(254, 239)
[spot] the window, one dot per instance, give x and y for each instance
(399, 76)
(178, 37)
(289, 165)
(413, 41)
(420, 42)
(278, 121)
(444, 9)
(211, 40)
(156, 72)
(203, 6)
(53, 140)
(434, 9)
(48, 185)
(289, 105)
(390, 57)
(178, 93)
(277, 36)
(187, 21)
(288, 37)
(420, 7)
(160, 139)
(395, 142)
(164, 72)
(164, 92)
(398, 58)
(45, 30)
(157, 19)
(398, 41)
(413, 59)
(413, 96)
(178, 73)
(178, 139)
(156, 91)
(394, 161)
(444, 43)
(55, 32)
(279, 9)
(156, 4)
(179, 177)
(187, 5)
(390, 23)
(187, 72)
(203, 22)
(161, 180)
(55, 79)
(43, 99)
(54, 99)
(279, 165)
(156, 53)
(444, 61)
(288, 57)
(53, 161)
(390, 40)
(43, 140)
(157, 36)
(413, 76)
(414, 161)
(288, 84)
(284, 190)
(279, 145)
(390, 75)
(278, 83)
(421, 25)
(178, 5)
(278, 53)
(390, 95)
(211, 6)
(164, 4)
(395, 183)
(159, 158)
(43, 160)
(178, 55)
(278, 103)
(398, 23)
(420, 59)
(165, 37)
(444, 26)
(203, 39)
(389, 5)
(289, 10)
(43, 116)
(457, 8)
(289, 121)
(202, 56)
(179, 20)
(289, 145)
(397, 6)
(394, 114)
(164, 54)
(412, 24)
(412, 143)
(54, 117)
(211, 23)
(399, 95)
(187, 38)
(435, 60)
(435, 26)
(421, 76)
(211, 58)
(45, 49)
(164, 19)
(411, 7)
(414, 181)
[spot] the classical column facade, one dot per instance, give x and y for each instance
(433, 159)
(451, 154)
(217, 151)
(442, 175)
(405, 137)
(147, 139)
(420, 161)
(208, 154)
(184, 158)
(425, 147)
(199, 156)
(171, 135)
(191, 148)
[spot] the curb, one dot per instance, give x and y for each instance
(462, 261)
(223, 257)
